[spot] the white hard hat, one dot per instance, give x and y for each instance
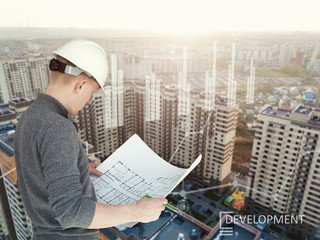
(88, 56)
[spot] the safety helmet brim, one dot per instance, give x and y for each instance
(89, 57)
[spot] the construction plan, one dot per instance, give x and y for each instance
(134, 168)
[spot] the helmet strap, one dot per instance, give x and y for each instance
(56, 65)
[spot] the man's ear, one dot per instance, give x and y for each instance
(80, 81)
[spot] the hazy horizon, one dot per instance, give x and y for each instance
(28, 33)
(179, 17)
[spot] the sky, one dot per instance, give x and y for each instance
(181, 16)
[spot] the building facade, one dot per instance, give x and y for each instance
(25, 77)
(179, 139)
(17, 223)
(284, 176)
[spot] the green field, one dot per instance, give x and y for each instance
(242, 151)
(212, 223)
(198, 216)
(243, 144)
(211, 196)
(243, 133)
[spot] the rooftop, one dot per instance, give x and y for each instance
(6, 144)
(4, 107)
(229, 199)
(6, 128)
(178, 225)
(303, 110)
(224, 100)
(168, 226)
(276, 112)
(19, 100)
(6, 112)
(305, 114)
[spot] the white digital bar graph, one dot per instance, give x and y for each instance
(232, 83)
(114, 99)
(152, 98)
(250, 84)
(184, 88)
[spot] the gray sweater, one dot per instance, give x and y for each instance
(53, 175)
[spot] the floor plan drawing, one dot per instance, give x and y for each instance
(134, 168)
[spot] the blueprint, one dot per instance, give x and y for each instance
(134, 168)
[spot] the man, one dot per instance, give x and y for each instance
(52, 167)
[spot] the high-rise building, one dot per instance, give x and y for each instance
(176, 138)
(299, 60)
(4, 225)
(207, 132)
(10, 195)
(284, 176)
(92, 121)
(314, 63)
(286, 53)
(25, 77)
(102, 123)
(136, 67)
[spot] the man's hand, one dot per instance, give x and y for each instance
(149, 209)
(92, 169)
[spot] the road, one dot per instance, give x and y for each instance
(242, 181)
(202, 203)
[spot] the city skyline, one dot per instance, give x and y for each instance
(178, 17)
(144, 97)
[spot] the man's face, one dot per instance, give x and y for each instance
(85, 95)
